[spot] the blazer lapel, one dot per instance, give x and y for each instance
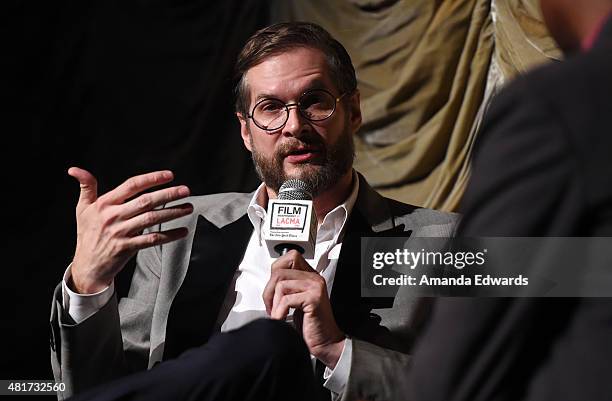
(215, 256)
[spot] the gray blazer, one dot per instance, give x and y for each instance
(152, 323)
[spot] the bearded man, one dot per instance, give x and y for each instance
(204, 277)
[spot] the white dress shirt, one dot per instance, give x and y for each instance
(252, 276)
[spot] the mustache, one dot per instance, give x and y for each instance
(294, 145)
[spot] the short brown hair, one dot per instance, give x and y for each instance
(279, 38)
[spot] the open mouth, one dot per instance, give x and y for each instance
(301, 155)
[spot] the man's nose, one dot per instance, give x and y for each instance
(296, 123)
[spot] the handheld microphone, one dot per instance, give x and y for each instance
(291, 222)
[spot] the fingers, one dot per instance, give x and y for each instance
(154, 217)
(150, 201)
(280, 275)
(291, 265)
(284, 288)
(88, 183)
(314, 291)
(292, 260)
(134, 185)
(152, 239)
(297, 301)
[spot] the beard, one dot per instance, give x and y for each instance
(333, 162)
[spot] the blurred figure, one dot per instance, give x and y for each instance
(542, 167)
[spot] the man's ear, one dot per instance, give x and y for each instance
(354, 108)
(244, 131)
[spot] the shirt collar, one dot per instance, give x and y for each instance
(334, 221)
(255, 211)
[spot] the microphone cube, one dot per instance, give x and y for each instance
(292, 223)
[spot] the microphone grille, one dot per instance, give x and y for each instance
(295, 190)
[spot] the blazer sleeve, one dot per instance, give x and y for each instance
(112, 342)
(377, 373)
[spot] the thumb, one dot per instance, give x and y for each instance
(89, 185)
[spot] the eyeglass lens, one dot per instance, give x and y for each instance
(314, 105)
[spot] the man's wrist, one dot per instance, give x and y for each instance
(336, 379)
(84, 286)
(81, 306)
(329, 353)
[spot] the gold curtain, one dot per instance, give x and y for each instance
(426, 72)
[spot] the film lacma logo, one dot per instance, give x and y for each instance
(288, 216)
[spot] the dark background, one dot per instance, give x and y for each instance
(119, 88)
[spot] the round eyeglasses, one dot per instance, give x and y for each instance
(271, 114)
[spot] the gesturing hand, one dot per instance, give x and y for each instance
(109, 229)
(294, 284)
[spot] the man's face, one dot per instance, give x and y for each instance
(319, 153)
